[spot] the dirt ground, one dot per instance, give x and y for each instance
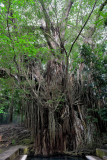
(13, 134)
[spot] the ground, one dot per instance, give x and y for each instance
(13, 134)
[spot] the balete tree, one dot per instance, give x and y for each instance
(54, 53)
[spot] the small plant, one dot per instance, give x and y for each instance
(13, 142)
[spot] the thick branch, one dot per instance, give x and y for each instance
(4, 72)
(48, 30)
(8, 11)
(103, 5)
(97, 18)
(67, 10)
(82, 27)
(47, 19)
(65, 18)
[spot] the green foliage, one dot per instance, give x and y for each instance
(1, 110)
(96, 64)
(13, 142)
(100, 112)
(9, 96)
(102, 20)
(103, 114)
(95, 61)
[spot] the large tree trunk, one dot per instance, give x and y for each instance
(54, 123)
(57, 117)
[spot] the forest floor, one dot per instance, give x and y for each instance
(13, 134)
